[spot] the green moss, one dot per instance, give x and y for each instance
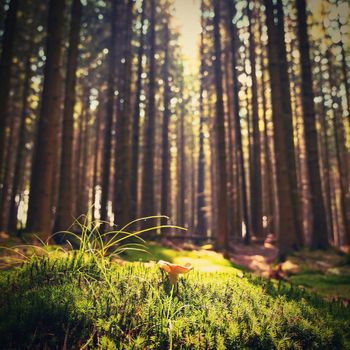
(78, 300)
(326, 285)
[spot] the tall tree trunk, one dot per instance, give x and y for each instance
(65, 209)
(287, 239)
(238, 135)
(134, 175)
(269, 179)
(319, 234)
(39, 210)
(5, 74)
(106, 166)
(165, 195)
(222, 234)
(83, 197)
(122, 155)
(230, 154)
(326, 162)
(256, 191)
(201, 219)
(182, 163)
(148, 203)
(288, 122)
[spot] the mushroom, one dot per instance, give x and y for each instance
(174, 270)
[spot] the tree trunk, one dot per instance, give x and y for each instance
(106, 166)
(256, 190)
(238, 135)
(319, 234)
(288, 122)
(134, 175)
(222, 234)
(165, 130)
(201, 219)
(181, 220)
(39, 210)
(287, 240)
(65, 209)
(148, 202)
(122, 154)
(5, 74)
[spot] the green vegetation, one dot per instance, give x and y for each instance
(83, 299)
(202, 260)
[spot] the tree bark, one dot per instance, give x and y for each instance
(5, 74)
(238, 135)
(65, 208)
(201, 219)
(222, 234)
(134, 175)
(287, 239)
(106, 166)
(319, 234)
(256, 190)
(39, 210)
(165, 191)
(148, 202)
(122, 165)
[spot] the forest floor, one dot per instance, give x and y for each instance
(83, 299)
(324, 272)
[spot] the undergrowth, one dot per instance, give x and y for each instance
(82, 299)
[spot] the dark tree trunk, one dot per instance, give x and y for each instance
(222, 233)
(106, 166)
(256, 190)
(5, 74)
(319, 234)
(165, 191)
(288, 121)
(8, 173)
(287, 231)
(134, 175)
(238, 135)
(148, 202)
(96, 174)
(65, 208)
(326, 159)
(39, 210)
(83, 196)
(269, 179)
(182, 164)
(201, 219)
(122, 163)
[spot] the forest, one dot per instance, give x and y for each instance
(174, 174)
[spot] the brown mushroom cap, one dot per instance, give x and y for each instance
(174, 269)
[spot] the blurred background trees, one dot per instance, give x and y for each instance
(100, 113)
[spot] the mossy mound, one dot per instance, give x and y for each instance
(76, 301)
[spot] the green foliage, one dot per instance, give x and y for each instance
(76, 299)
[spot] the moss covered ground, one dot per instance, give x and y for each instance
(85, 300)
